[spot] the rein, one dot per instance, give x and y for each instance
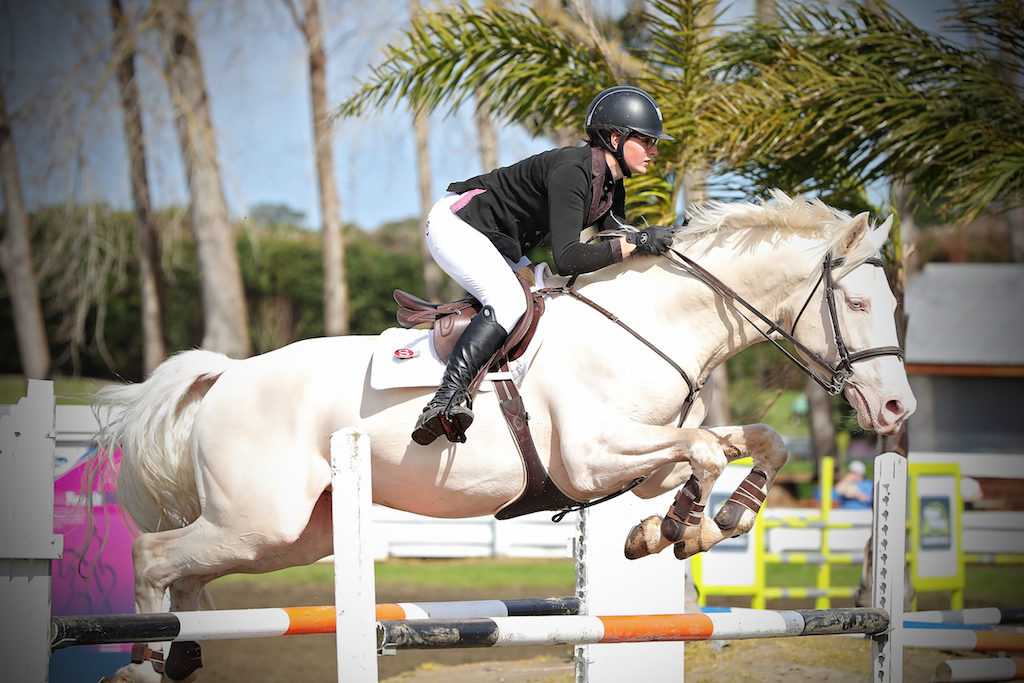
(693, 390)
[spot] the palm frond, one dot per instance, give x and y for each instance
(869, 94)
(526, 70)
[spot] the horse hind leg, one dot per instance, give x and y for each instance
(183, 561)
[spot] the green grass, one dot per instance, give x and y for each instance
(986, 585)
(469, 573)
(68, 390)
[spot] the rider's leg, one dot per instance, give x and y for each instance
(471, 260)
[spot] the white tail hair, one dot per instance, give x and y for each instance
(151, 423)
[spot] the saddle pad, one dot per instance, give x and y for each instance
(424, 368)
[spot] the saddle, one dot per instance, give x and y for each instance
(449, 321)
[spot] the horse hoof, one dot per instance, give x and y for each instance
(637, 542)
(636, 546)
(679, 550)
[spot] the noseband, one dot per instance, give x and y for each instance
(836, 375)
(842, 370)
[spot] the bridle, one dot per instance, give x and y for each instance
(832, 377)
(840, 372)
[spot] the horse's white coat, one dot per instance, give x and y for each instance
(226, 462)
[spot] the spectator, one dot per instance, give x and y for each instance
(970, 492)
(853, 491)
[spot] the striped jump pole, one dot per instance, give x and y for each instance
(978, 616)
(270, 622)
(520, 607)
(462, 632)
(997, 669)
(582, 629)
(964, 639)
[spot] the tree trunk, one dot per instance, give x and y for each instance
(16, 262)
(719, 411)
(421, 129)
(766, 11)
(488, 136)
(223, 296)
(146, 239)
(333, 240)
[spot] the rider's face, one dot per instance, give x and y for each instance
(638, 152)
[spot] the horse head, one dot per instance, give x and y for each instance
(849, 320)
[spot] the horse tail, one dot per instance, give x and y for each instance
(151, 423)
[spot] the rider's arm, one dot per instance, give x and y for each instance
(569, 190)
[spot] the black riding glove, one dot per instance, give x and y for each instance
(654, 239)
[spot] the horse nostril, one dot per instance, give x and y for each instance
(895, 408)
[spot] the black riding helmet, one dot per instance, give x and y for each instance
(623, 109)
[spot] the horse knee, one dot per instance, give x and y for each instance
(764, 439)
(707, 459)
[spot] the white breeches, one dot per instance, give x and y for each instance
(471, 260)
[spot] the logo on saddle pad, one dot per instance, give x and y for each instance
(405, 353)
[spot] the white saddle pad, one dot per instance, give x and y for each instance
(406, 358)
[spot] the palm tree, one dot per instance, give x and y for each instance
(826, 99)
(833, 98)
(542, 72)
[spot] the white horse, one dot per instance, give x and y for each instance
(226, 462)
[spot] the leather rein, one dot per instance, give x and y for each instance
(834, 376)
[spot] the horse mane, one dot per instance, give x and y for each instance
(778, 215)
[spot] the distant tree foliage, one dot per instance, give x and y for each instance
(281, 272)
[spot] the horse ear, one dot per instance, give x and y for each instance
(855, 231)
(880, 234)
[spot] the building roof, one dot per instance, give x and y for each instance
(966, 314)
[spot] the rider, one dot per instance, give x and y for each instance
(480, 230)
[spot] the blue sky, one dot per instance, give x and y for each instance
(70, 142)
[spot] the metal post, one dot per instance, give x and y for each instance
(354, 590)
(888, 551)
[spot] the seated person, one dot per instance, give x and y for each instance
(853, 491)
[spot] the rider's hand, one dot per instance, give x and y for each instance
(654, 239)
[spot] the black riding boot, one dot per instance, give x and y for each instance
(475, 347)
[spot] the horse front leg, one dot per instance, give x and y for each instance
(685, 526)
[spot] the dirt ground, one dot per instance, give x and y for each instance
(836, 659)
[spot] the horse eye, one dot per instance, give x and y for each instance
(856, 304)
